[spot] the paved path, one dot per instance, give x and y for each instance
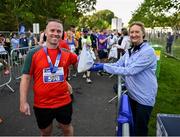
(93, 115)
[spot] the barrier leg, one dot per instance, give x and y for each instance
(10, 88)
(125, 128)
(112, 99)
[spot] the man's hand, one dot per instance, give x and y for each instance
(97, 67)
(25, 108)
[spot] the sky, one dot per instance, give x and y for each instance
(121, 8)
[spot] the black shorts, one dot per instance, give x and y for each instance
(45, 116)
(102, 54)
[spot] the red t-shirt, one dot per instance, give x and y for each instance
(48, 95)
(63, 44)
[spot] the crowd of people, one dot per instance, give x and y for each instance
(14, 41)
(50, 66)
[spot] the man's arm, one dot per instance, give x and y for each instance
(24, 88)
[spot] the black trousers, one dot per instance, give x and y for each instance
(141, 115)
(168, 48)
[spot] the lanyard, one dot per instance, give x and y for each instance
(55, 67)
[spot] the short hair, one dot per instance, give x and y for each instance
(53, 20)
(85, 30)
(72, 26)
(101, 30)
(140, 24)
(124, 31)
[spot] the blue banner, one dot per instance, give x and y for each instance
(21, 29)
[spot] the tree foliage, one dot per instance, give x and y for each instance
(156, 13)
(14, 12)
(99, 20)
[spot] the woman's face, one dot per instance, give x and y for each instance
(136, 34)
(69, 34)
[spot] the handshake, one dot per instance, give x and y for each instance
(97, 67)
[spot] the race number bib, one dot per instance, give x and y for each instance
(72, 48)
(49, 77)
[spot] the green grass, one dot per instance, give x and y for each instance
(176, 51)
(168, 97)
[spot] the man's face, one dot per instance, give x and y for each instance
(73, 30)
(53, 32)
(136, 35)
(14, 36)
(85, 34)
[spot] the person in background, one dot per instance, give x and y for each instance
(71, 41)
(48, 66)
(23, 43)
(77, 37)
(169, 42)
(32, 41)
(85, 40)
(63, 45)
(7, 45)
(42, 39)
(93, 37)
(124, 44)
(102, 46)
(112, 45)
(4, 56)
(14, 41)
(138, 66)
(15, 46)
(73, 30)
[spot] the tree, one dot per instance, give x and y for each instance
(14, 12)
(106, 15)
(99, 20)
(85, 6)
(158, 13)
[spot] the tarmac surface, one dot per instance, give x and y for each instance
(93, 115)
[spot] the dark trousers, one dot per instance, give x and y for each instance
(168, 48)
(141, 116)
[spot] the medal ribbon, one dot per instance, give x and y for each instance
(55, 67)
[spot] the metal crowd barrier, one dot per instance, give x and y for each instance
(125, 126)
(17, 60)
(5, 70)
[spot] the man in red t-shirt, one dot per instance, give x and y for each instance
(48, 66)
